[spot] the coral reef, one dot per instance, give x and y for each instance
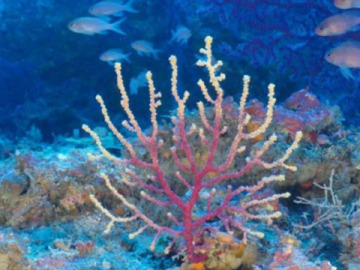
(174, 176)
(205, 176)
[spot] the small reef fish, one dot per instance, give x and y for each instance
(345, 56)
(346, 4)
(181, 35)
(339, 24)
(143, 47)
(91, 26)
(137, 82)
(114, 55)
(111, 8)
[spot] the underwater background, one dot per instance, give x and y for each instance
(56, 56)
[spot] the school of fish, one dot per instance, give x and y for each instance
(102, 13)
(346, 55)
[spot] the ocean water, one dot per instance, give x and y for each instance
(188, 185)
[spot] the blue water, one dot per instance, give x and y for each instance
(50, 75)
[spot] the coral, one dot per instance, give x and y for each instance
(329, 209)
(301, 111)
(290, 258)
(38, 187)
(227, 253)
(12, 254)
(333, 216)
(198, 174)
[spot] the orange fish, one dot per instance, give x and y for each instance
(339, 24)
(345, 56)
(346, 4)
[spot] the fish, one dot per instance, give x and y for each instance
(138, 82)
(181, 35)
(143, 47)
(339, 24)
(347, 4)
(345, 56)
(93, 25)
(114, 55)
(111, 8)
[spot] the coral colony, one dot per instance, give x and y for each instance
(198, 181)
(213, 172)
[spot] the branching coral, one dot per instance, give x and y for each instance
(195, 178)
